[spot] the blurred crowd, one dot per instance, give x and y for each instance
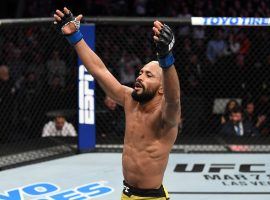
(35, 78)
(213, 63)
(170, 8)
(230, 64)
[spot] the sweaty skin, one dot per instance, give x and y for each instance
(148, 140)
(151, 127)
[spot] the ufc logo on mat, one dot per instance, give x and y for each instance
(216, 168)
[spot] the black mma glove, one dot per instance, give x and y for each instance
(164, 47)
(75, 37)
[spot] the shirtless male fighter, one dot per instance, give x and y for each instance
(152, 108)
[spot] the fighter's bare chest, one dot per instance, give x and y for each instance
(139, 122)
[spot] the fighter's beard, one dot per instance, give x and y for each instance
(143, 97)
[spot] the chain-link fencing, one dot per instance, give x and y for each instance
(38, 93)
(224, 75)
(38, 82)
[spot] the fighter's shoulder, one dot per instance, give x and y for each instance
(128, 97)
(127, 91)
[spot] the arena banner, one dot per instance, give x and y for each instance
(214, 174)
(86, 88)
(230, 21)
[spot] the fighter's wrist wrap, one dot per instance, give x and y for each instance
(166, 61)
(74, 38)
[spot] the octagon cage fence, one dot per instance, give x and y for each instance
(217, 67)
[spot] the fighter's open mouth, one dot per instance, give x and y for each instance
(138, 85)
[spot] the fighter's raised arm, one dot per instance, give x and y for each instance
(164, 39)
(68, 25)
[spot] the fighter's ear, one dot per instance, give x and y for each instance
(160, 90)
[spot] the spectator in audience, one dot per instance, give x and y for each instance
(186, 50)
(148, 54)
(193, 97)
(7, 93)
(192, 81)
(37, 65)
(71, 90)
(263, 109)
(128, 65)
(140, 7)
(29, 101)
(32, 8)
(14, 60)
(115, 124)
(55, 95)
(200, 49)
(263, 104)
(228, 108)
(241, 75)
(249, 113)
(216, 46)
(264, 82)
(244, 43)
(56, 67)
(59, 127)
(199, 33)
(237, 126)
(184, 13)
(252, 117)
(233, 46)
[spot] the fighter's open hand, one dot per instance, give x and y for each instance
(65, 22)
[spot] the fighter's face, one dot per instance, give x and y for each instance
(147, 83)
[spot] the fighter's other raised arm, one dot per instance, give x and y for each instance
(68, 25)
(164, 39)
